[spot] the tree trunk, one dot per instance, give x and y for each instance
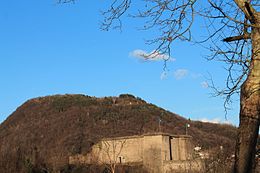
(249, 110)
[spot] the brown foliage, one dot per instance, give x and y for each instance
(46, 130)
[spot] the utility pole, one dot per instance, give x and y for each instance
(159, 121)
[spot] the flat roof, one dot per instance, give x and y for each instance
(148, 134)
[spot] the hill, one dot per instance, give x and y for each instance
(44, 131)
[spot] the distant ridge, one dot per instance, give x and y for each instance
(44, 131)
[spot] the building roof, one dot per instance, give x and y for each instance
(148, 134)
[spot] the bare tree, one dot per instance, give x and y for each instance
(113, 149)
(233, 28)
(108, 153)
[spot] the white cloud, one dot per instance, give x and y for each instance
(152, 56)
(204, 84)
(180, 73)
(215, 120)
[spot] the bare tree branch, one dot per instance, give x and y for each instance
(232, 36)
(236, 38)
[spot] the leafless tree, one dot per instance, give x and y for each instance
(233, 28)
(108, 153)
(113, 149)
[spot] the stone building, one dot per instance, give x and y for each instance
(157, 153)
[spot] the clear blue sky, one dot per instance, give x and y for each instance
(48, 49)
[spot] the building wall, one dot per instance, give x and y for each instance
(157, 152)
(181, 148)
(126, 150)
(175, 148)
(152, 156)
(120, 150)
(166, 148)
(183, 155)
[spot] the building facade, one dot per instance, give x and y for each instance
(158, 153)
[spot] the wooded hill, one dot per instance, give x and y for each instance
(45, 131)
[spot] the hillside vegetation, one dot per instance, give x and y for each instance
(45, 131)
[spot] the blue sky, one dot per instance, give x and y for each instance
(51, 49)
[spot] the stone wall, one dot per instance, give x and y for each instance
(187, 166)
